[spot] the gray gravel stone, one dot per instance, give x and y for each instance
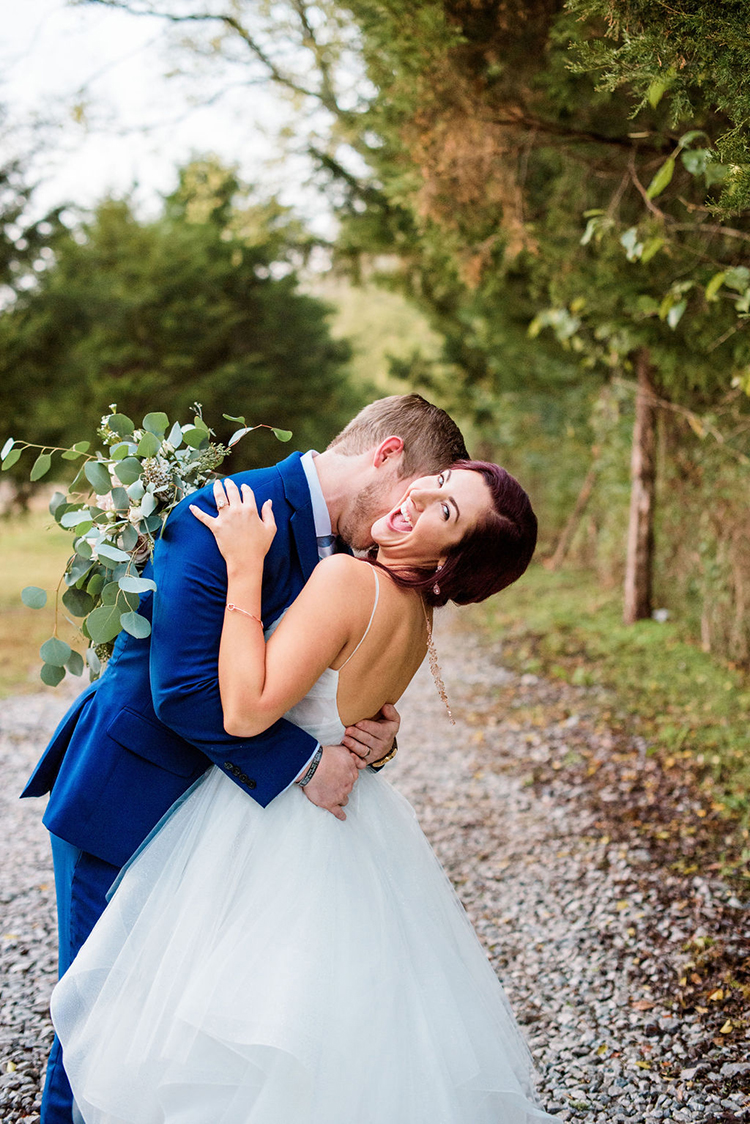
(28, 935)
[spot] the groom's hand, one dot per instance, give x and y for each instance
(373, 739)
(333, 780)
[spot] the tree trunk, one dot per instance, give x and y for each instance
(640, 559)
(563, 546)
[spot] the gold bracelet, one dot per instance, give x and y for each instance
(236, 609)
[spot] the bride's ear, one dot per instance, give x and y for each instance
(391, 447)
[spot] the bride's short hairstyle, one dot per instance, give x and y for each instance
(492, 555)
(431, 438)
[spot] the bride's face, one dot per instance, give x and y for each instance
(435, 513)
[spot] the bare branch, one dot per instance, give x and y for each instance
(521, 118)
(365, 191)
(712, 228)
(643, 193)
(614, 202)
(695, 228)
(697, 423)
(327, 93)
(231, 23)
(725, 336)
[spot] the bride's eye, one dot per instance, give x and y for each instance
(446, 511)
(440, 480)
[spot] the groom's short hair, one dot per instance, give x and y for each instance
(432, 440)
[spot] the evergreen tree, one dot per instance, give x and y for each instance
(201, 304)
(692, 53)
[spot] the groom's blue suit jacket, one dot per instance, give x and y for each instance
(139, 736)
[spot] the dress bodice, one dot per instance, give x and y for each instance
(318, 713)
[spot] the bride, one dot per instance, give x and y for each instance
(273, 965)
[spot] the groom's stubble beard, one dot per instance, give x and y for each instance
(355, 525)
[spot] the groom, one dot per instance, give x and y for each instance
(137, 739)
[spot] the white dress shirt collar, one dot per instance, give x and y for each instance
(321, 518)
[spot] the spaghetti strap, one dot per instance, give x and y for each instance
(369, 623)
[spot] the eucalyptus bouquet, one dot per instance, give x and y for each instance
(115, 509)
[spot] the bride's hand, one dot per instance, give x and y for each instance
(242, 533)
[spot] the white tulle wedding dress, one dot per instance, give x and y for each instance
(278, 966)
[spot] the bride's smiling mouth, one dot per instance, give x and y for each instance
(400, 520)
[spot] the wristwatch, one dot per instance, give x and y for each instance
(377, 765)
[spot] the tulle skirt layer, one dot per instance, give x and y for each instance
(278, 966)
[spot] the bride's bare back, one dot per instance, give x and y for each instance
(338, 604)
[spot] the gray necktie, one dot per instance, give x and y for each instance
(326, 545)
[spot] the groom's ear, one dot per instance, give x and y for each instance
(386, 450)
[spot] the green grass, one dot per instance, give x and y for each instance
(33, 551)
(654, 680)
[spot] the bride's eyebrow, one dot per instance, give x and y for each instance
(446, 477)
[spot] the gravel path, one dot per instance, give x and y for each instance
(582, 931)
(28, 940)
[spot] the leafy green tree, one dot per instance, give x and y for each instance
(201, 304)
(504, 189)
(27, 244)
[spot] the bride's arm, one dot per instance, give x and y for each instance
(259, 682)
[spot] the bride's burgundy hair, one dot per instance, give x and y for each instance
(492, 555)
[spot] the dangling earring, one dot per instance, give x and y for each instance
(436, 587)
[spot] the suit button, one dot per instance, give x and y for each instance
(236, 770)
(228, 765)
(250, 783)
(243, 778)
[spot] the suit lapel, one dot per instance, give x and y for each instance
(301, 522)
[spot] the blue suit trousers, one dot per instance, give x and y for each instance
(81, 885)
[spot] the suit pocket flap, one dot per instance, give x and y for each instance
(155, 742)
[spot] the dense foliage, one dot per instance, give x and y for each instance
(563, 189)
(693, 53)
(200, 304)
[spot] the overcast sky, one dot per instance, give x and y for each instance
(140, 125)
